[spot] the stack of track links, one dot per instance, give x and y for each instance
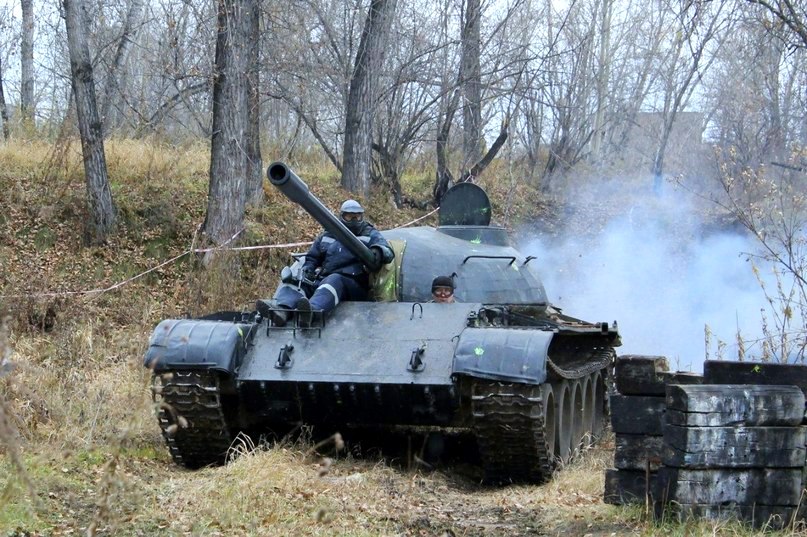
(732, 451)
(637, 416)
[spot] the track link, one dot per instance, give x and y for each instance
(509, 428)
(598, 359)
(191, 417)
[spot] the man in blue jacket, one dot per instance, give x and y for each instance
(337, 273)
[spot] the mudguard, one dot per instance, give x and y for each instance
(506, 354)
(198, 344)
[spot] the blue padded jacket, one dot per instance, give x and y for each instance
(334, 258)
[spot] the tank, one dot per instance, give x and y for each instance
(500, 365)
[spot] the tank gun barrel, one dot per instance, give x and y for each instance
(297, 191)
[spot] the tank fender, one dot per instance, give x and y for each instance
(198, 344)
(505, 354)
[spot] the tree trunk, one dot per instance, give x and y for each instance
(3, 108)
(226, 200)
(480, 165)
(444, 179)
(254, 162)
(112, 93)
(362, 95)
(471, 85)
(27, 63)
(658, 163)
(389, 169)
(603, 74)
(99, 195)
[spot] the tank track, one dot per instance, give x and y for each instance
(191, 417)
(597, 360)
(509, 428)
(509, 424)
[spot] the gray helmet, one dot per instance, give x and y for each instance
(351, 206)
(356, 223)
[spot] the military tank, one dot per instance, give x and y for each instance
(501, 364)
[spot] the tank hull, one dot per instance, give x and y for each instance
(507, 378)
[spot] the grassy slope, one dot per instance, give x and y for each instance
(80, 444)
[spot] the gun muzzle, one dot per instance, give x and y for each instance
(297, 191)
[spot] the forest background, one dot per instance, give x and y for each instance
(136, 136)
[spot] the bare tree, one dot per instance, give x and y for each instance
(174, 57)
(102, 208)
(254, 163)
(634, 66)
(113, 93)
(771, 205)
(471, 83)
(450, 93)
(490, 83)
(792, 13)
(700, 25)
(3, 107)
(5, 28)
(409, 99)
(756, 94)
(226, 202)
(569, 88)
(27, 107)
(310, 61)
(590, 74)
(444, 178)
(361, 102)
(602, 77)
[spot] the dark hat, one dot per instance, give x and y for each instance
(443, 281)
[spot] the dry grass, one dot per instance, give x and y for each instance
(81, 449)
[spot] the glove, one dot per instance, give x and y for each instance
(378, 256)
(309, 274)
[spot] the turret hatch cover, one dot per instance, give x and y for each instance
(465, 204)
